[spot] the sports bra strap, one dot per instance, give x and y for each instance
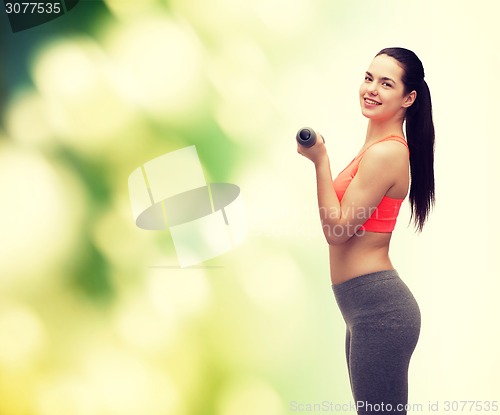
(389, 138)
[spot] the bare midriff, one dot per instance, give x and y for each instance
(363, 254)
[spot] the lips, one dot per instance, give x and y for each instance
(372, 102)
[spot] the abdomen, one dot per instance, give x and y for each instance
(360, 255)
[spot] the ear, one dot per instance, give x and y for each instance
(410, 99)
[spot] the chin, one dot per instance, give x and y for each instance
(366, 114)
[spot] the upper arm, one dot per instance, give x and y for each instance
(378, 171)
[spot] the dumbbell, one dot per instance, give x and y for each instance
(307, 137)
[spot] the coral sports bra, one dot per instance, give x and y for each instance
(384, 217)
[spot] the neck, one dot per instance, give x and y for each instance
(380, 129)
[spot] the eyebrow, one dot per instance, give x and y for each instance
(385, 78)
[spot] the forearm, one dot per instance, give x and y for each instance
(336, 227)
(335, 222)
(328, 202)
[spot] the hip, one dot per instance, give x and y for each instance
(378, 295)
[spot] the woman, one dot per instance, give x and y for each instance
(358, 211)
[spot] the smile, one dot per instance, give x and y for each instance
(371, 102)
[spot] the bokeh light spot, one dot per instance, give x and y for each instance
(22, 335)
(41, 211)
(161, 60)
(249, 396)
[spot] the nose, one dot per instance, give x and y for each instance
(372, 88)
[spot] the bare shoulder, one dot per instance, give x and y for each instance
(387, 153)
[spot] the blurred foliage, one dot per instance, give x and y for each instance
(96, 316)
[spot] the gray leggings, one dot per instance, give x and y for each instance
(383, 326)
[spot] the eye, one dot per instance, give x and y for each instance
(367, 78)
(387, 85)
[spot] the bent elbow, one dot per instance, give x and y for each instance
(337, 240)
(338, 235)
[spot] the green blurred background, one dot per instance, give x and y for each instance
(95, 315)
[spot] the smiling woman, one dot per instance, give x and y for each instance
(380, 87)
(358, 211)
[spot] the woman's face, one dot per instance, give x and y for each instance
(382, 94)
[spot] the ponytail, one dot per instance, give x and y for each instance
(419, 135)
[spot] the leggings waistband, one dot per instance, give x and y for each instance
(365, 279)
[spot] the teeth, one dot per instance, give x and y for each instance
(369, 101)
